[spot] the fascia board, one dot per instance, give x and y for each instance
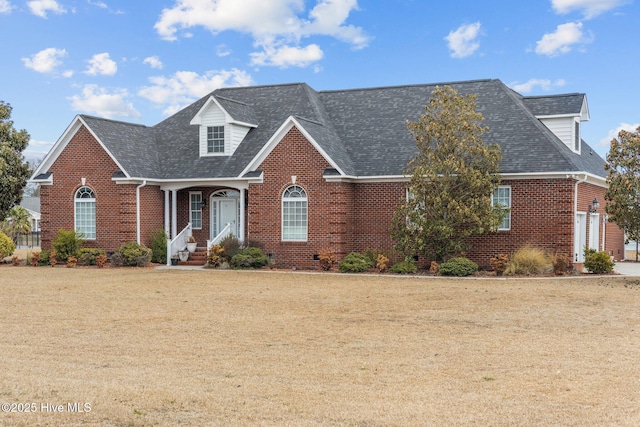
(197, 119)
(277, 137)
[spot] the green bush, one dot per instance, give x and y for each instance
(530, 260)
(598, 262)
(7, 247)
(354, 263)
(87, 256)
(404, 267)
(131, 254)
(44, 257)
(249, 258)
(159, 246)
(458, 267)
(67, 243)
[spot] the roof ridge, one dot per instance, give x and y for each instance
(558, 95)
(409, 85)
(88, 116)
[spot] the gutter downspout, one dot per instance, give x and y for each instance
(138, 208)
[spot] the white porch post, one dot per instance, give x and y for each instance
(174, 213)
(166, 212)
(242, 216)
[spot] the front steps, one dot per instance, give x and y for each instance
(196, 258)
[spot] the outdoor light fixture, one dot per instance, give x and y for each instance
(203, 204)
(593, 207)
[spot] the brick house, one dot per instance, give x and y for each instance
(301, 170)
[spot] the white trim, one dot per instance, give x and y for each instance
(509, 206)
(275, 139)
(64, 140)
(197, 119)
(196, 210)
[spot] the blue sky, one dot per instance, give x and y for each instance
(140, 61)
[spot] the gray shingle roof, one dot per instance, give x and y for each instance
(362, 130)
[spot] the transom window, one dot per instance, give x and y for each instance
(85, 212)
(294, 214)
(502, 198)
(215, 139)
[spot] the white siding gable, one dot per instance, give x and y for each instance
(212, 114)
(567, 129)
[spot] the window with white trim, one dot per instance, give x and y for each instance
(85, 212)
(502, 198)
(215, 139)
(195, 209)
(294, 214)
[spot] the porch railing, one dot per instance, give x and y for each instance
(226, 231)
(178, 244)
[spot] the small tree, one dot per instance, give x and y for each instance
(13, 169)
(16, 223)
(623, 194)
(452, 179)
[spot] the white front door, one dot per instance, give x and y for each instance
(223, 212)
(580, 237)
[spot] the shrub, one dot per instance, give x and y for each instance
(382, 263)
(87, 256)
(67, 243)
(499, 264)
(404, 267)
(598, 263)
(249, 258)
(101, 260)
(530, 260)
(354, 263)
(231, 246)
(72, 262)
(434, 267)
(35, 259)
(15, 261)
(7, 247)
(132, 254)
(215, 257)
(44, 257)
(327, 258)
(191, 239)
(458, 267)
(53, 258)
(562, 264)
(159, 246)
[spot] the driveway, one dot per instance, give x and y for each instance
(627, 268)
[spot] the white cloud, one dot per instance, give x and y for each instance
(154, 62)
(286, 56)
(222, 50)
(184, 87)
(41, 7)
(45, 61)
(562, 40)
(100, 4)
(463, 41)
(280, 21)
(99, 101)
(101, 64)
(5, 6)
(544, 84)
(613, 133)
(589, 8)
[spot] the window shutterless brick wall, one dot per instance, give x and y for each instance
(83, 157)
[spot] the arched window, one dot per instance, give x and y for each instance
(85, 215)
(294, 214)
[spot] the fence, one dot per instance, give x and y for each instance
(31, 240)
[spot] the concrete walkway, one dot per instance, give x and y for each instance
(628, 268)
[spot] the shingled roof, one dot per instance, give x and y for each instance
(363, 131)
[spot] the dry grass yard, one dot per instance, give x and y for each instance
(148, 347)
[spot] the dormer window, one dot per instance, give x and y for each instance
(215, 139)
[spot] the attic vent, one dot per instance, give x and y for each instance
(576, 142)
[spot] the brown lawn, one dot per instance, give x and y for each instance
(146, 347)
